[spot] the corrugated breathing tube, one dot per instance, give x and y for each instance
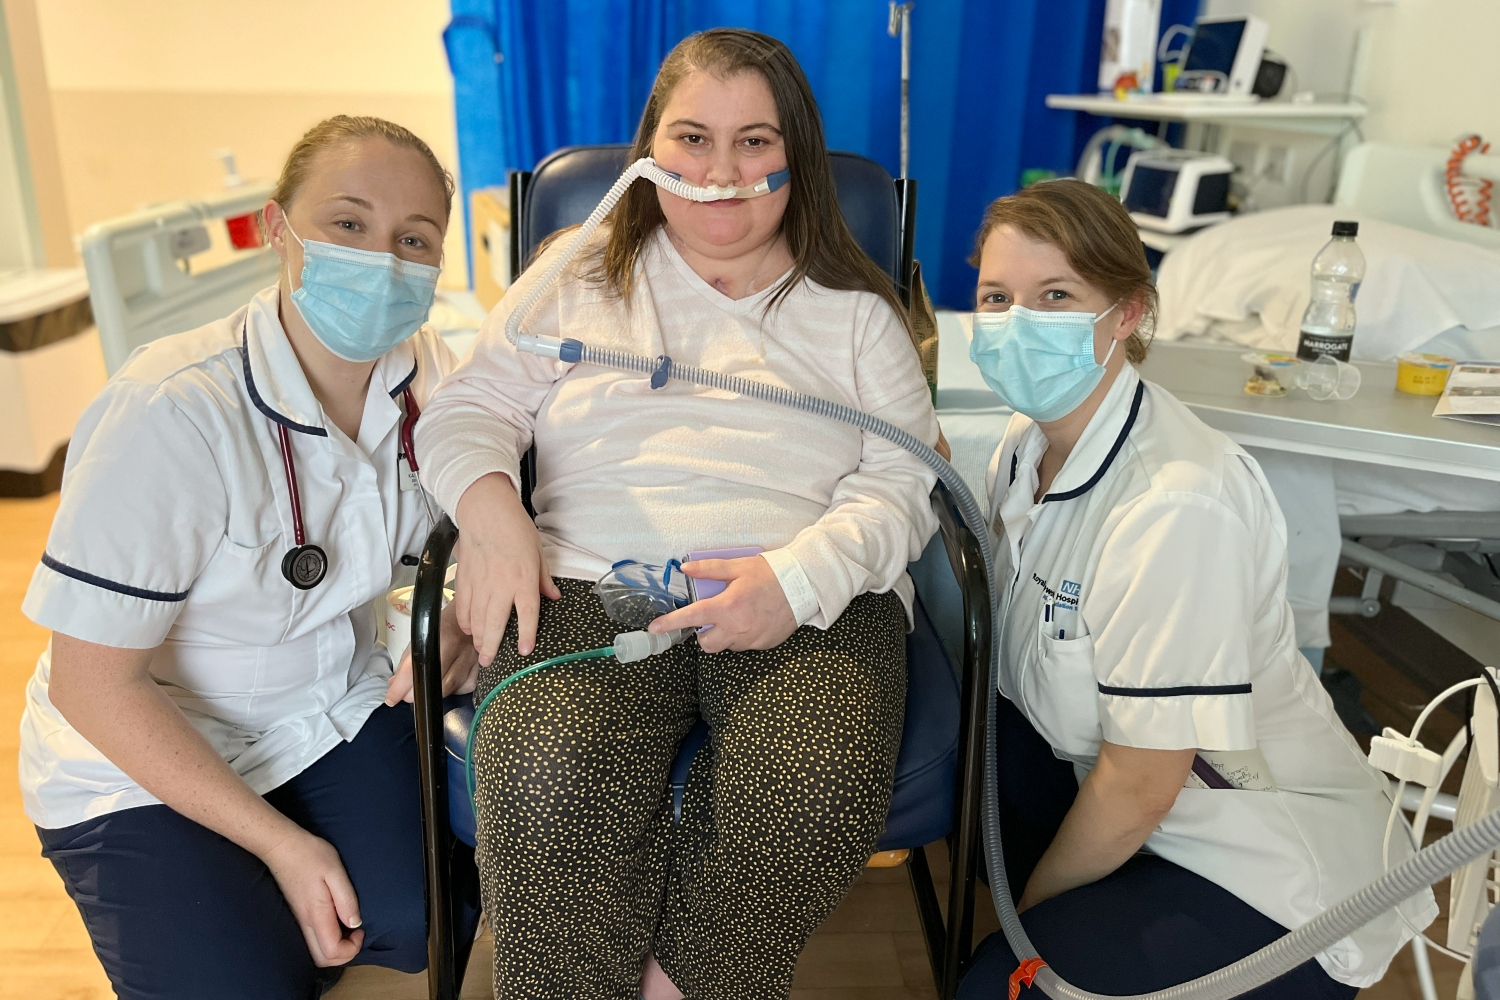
(1281, 956)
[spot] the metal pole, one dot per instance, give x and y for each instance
(1358, 553)
(900, 22)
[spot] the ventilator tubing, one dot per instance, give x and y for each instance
(1281, 956)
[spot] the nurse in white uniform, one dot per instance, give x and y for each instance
(1176, 789)
(207, 750)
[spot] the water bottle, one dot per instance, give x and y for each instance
(1337, 270)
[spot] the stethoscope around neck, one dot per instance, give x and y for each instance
(305, 565)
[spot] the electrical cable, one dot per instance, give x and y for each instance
(1164, 53)
(1279, 957)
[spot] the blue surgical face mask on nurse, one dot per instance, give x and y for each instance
(361, 303)
(1040, 363)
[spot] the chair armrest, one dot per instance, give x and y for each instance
(432, 768)
(426, 607)
(967, 562)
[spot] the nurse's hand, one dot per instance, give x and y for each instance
(500, 566)
(460, 663)
(316, 887)
(751, 613)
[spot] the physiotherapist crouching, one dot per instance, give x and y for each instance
(1176, 789)
(206, 752)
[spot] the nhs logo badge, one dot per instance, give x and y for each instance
(1070, 589)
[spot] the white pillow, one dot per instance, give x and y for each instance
(1249, 278)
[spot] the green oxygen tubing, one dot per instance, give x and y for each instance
(484, 704)
(1286, 953)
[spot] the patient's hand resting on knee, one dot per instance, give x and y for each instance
(500, 566)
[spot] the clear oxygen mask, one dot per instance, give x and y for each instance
(635, 594)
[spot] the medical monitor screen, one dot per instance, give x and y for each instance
(1215, 44)
(1150, 191)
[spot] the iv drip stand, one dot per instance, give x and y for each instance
(900, 24)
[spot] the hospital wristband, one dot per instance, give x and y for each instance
(794, 584)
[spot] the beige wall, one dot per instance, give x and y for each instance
(40, 134)
(1432, 72)
(145, 91)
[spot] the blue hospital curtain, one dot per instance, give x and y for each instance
(531, 76)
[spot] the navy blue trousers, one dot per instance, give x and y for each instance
(1148, 925)
(176, 911)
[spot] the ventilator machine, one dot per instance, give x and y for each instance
(639, 589)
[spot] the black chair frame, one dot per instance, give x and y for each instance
(949, 942)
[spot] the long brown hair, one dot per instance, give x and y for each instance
(819, 240)
(1095, 234)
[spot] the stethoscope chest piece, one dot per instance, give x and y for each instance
(305, 566)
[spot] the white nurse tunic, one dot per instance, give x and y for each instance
(174, 518)
(1143, 602)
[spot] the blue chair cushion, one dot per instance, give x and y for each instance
(922, 803)
(458, 719)
(927, 765)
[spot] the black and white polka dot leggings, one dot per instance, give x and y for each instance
(582, 867)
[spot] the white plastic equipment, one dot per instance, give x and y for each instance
(1472, 889)
(142, 280)
(43, 390)
(1175, 190)
(1129, 44)
(1224, 55)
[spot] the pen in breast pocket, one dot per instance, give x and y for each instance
(1064, 621)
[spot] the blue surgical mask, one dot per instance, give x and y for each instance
(1041, 364)
(361, 303)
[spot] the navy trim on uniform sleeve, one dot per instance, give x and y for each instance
(1135, 408)
(119, 588)
(405, 382)
(1175, 692)
(1014, 458)
(260, 404)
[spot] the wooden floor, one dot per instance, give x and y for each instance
(870, 949)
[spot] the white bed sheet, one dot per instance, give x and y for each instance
(1247, 281)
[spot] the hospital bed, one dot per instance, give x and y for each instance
(939, 764)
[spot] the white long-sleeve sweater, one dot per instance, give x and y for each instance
(625, 471)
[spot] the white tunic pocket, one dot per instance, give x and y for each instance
(1061, 694)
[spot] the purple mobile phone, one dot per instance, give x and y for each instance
(704, 589)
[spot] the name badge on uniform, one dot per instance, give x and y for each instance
(405, 476)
